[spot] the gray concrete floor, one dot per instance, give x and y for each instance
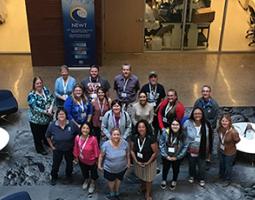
(230, 75)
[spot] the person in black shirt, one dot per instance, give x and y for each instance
(155, 93)
(144, 150)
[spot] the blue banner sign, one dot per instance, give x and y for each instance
(79, 32)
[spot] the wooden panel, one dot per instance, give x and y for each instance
(46, 32)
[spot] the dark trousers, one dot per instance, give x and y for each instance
(155, 126)
(97, 134)
(57, 159)
(197, 162)
(226, 165)
(59, 103)
(38, 132)
(166, 166)
(88, 171)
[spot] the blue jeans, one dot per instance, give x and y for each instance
(197, 162)
(226, 165)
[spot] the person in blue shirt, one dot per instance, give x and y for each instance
(40, 102)
(63, 86)
(78, 107)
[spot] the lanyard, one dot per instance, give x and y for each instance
(83, 146)
(101, 107)
(115, 122)
(90, 80)
(42, 95)
(140, 146)
(125, 85)
(168, 108)
(172, 139)
(65, 85)
(222, 137)
(81, 105)
(153, 93)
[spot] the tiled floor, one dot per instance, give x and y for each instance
(230, 75)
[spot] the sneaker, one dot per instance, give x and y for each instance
(85, 184)
(191, 179)
(158, 171)
(173, 185)
(91, 188)
(202, 183)
(226, 183)
(163, 185)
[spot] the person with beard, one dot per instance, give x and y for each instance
(93, 82)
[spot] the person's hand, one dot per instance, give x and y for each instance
(128, 165)
(173, 158)
(141, 164)
(75, 161)
(100, 168)
(53, 148)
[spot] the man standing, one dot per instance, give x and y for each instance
(210, 108)
(126, 86)
(155, 94)
(93, 82)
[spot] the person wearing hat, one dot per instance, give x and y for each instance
(155, 94)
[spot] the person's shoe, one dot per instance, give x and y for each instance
(158, 171)
(53, 181)
(91, 188)
(85, 184)
(43, 152)
(202, 183)
(191, 179)
(110, 197)
(207, 165)
(173, 185)
(226, 183)
(163, 185)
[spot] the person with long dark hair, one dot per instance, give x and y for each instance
(78, 107)
(101, 104)
(144, 150)
(228, 138)
(198, 136)
(60, 135)
(86, 153)
(40, 113)
(172, 149)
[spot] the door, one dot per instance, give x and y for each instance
(123, 26)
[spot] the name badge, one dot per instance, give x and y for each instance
(151, 96)
(154, 104)
(139, 155)
(93, 95)
(81, 156)
(123, 94)
(222, 147)
(165, 119)
(171, 150)
(100, 118)
(83, 115)
(197, 139)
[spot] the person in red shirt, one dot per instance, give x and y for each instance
(86, 153)
(169, 109)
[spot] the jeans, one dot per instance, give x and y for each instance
(166, 166)
(197, 162)
(57, 159)
(226, 165)
(89, 171)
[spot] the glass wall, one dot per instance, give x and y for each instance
(197, 25)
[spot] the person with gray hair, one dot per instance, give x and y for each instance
(63, 86)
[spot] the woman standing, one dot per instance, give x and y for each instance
(86, 153)
(228, 138)
(114, 159)
(142, 110)
(198, 134)
(144, 149)
(78, 108)
(60, 135)
(63, 86)
(100, 106)
(116, 118)
(172, 150)
(40, 102)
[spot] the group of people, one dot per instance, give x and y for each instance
(98, 133)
